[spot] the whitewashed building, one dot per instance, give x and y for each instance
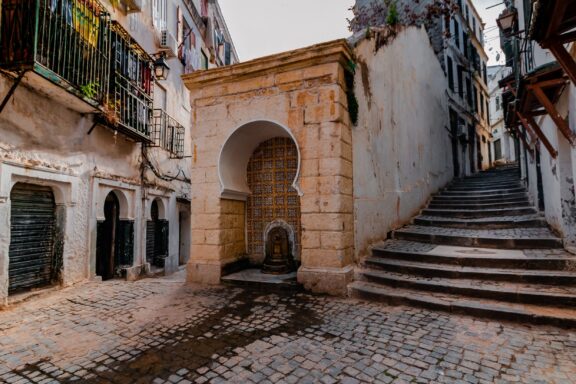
(503, 143)
(94, 136)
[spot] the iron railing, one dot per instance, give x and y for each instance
(76, 45)
(66, 41)
(131, 84)
(167, 133)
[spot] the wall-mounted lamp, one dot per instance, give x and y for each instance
(161, 68)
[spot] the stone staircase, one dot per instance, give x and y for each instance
(479, 248)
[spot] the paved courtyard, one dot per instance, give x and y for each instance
(162, 331)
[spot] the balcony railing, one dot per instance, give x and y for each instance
(75, 45)
(167, 133)
(65, 41)
(130, 89)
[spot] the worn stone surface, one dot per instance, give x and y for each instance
(162, 331)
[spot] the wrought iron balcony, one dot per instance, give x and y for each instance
(167, 133)
(74, 45)
(131, 82)
(64, 41)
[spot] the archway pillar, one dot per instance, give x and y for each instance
(299, 94)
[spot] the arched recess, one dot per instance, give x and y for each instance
(236, 153)
(273, 202)
(126, 209)
(159, 206)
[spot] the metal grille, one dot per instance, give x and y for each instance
(69, 38)
(31, 255)
(271, 171)
(167, 133)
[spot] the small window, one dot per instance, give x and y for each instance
(450, 73)
(497, 103)
(159, 14)
(457, 33)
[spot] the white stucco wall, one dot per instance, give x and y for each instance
(402, 149)
(558, 174)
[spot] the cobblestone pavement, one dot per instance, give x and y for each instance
(162, 331)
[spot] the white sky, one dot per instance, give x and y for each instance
(265, 27)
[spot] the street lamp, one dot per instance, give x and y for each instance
(161, 68)
(506, 19)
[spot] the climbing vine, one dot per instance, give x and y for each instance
(350, 95)
(393, 12)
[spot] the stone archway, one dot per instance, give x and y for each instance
(299, 96)
(114, 236)
(237, 151)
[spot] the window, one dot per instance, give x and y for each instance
(457, 33)
(204, 61)
(450, 74)
(460, 81)
(497, 103)
(481, 104)
(474, 25)
(204, 8)
(469, 91)
(159, 14)
(475, 99)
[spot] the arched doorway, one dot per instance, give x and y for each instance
(32, 261)
(106, 258)
(156, 236)
(271, 171)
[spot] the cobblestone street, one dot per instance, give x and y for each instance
(159, 330)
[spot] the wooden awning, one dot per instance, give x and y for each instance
(538, 93)
(553, 24)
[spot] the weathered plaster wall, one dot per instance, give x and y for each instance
(558, 174)
(402, 150)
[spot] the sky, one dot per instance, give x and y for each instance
(265, 27)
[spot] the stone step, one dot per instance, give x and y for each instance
(498, 191)
(468, 199)
(535, 314)
(481, 198)
(429, 270)
(512, 292)
(485, 190)
(482, 184)
(527, 221)
(556, 259)
(478, 205)
(468, 213)
(517, 238)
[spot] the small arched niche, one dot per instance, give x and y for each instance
(236, 153)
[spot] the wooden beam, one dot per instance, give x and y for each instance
(554, 115)
(565, 60)
(556, 17)
(533, 137)
(523, 138)
(551, 83)
(528, 121)
(539, 112)
(565, 38)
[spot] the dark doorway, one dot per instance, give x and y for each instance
(31, 256)
(107, 233)
(479, 157)
(156, 237)
(498, 149)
